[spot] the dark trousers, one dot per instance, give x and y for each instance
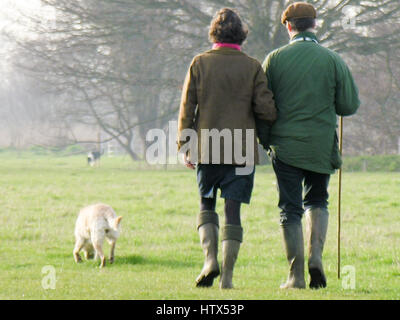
(299, 189)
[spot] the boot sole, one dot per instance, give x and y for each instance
(318, 279)
(208, 280)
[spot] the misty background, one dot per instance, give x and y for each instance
(75, 73)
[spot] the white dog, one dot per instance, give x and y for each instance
(94, 224)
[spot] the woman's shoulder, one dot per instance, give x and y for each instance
(230, 52)
(253, 60)
(248, 63)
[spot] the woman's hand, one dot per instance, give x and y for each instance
(187, 162)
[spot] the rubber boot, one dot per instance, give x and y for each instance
(294, 245)
(208, 227)
(317, 226)
(232, 237)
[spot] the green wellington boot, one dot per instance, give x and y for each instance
(232, 237)
(294, 245)
(317, 226)
(208, 227)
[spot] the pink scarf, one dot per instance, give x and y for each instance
(226, 45)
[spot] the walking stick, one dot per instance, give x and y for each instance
(339, 194)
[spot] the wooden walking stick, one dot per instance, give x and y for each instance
(339, 194)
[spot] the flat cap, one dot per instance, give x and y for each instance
(299, 10)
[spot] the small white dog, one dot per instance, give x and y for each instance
(94, 224)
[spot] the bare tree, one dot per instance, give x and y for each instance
(119, 65)
(106, 59)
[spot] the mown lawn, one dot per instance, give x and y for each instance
(158, 255)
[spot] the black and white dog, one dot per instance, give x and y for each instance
(93, 158)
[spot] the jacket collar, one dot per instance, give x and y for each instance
(225, 50)
(226, 45)
(305, 36)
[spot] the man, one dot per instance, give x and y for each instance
(311, 86)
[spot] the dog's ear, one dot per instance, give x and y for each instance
(118, 221)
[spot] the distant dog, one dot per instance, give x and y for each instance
(94, 224)
(93, 158)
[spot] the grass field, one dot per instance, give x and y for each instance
(158, 255)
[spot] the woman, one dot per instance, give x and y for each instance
(223, 92)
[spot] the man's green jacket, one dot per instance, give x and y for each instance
(311, 86)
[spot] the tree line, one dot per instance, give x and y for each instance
(117, 67)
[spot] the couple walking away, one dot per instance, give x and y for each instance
(291, 102)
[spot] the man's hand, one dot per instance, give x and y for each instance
(187, 162)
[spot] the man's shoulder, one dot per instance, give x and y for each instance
(329, 52)
(275, 53)
(335, 56)
(289, 48)
(272, 57)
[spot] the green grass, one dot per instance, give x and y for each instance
(380, 163)
(158, 255)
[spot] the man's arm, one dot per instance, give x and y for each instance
(267, 69)
(346, 98)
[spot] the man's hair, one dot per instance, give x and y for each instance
(302, 24)
(227, 27)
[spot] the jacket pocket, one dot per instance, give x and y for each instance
(336, 158)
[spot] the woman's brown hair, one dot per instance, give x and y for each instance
(227, 27)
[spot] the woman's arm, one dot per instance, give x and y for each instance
(188, 104)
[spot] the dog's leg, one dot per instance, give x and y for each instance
(91, 252)
(78, 246)
(99, 252)
(112, 243)
(97, 241)
(88, 251)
